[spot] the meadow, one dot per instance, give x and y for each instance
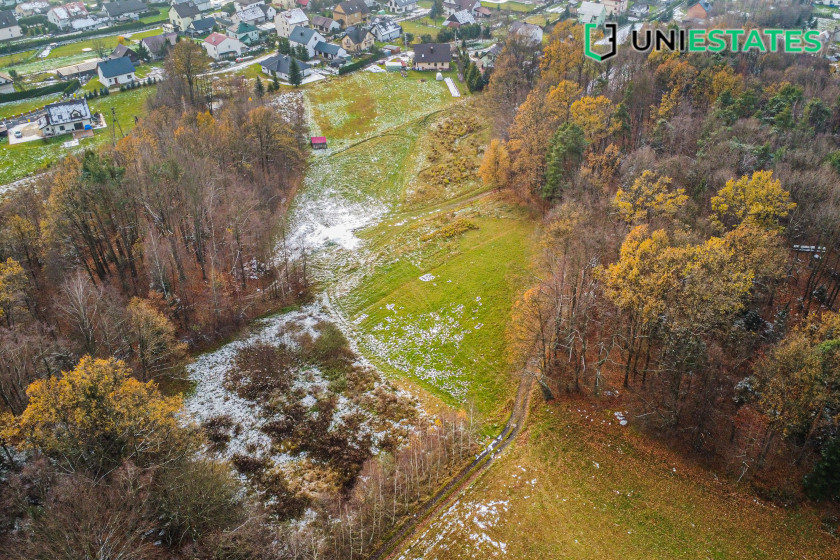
(578, 485)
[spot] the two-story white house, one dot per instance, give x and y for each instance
(63, 16)
(65, 117)
(9, 28)
(220, 46)
(401, 6)
(284, 22)
(182, 15)
(306, 37)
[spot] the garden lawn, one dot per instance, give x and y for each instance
(17, 58)
(418, 29)
(22, 160)
(162, 15)
(77, 47)
(136, 37)
(576, 485)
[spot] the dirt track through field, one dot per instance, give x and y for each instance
(451, 491)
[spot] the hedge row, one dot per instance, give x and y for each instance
(352, 67)
(64, 87)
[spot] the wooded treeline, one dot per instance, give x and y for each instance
(172, 236)
(690, 245)
(113, 264)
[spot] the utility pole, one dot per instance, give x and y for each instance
(114, 124)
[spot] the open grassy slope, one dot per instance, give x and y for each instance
(577, 485)
(428, 303)
(424, 278)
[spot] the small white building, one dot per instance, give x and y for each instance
(7, 84)
(65, 117)
(220, 46)
(284, 22)
(115, 71)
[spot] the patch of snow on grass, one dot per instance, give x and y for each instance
(469, 524)
(212, 399)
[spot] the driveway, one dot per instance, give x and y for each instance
(30, 132)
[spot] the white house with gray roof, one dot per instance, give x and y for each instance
(401, 6)
(65, 117)
(306, 37)
(9, 28)
(280, 64)
(385, 29)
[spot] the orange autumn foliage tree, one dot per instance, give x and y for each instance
(495, 166)
(96, 416)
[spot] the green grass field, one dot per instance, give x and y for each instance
(437, 308)
(162, 15)
(510, 6)
(543, 19)
(418, 29)
(364, 104)
(577, 485)
(16, 58)
(446, 335)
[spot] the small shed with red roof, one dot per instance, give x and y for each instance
(318, 142)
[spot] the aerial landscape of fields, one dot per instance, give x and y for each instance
(417, 280)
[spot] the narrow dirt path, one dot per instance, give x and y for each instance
(451, 491)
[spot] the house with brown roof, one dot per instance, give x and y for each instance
(351, 12)
(159, 45)
(699, 10)
(324, 24)
(357, 39)
(432, 56)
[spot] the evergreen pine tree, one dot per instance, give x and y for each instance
(564, 153)
(294, 73)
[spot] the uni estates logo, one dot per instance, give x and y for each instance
(703, 40)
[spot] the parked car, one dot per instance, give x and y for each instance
(18, 134)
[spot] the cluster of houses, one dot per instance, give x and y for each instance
(70, 17)
(599, 12)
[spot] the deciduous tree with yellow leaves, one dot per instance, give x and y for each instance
(96, 416)
(758, 200)
(649, 196)
(495, 165)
